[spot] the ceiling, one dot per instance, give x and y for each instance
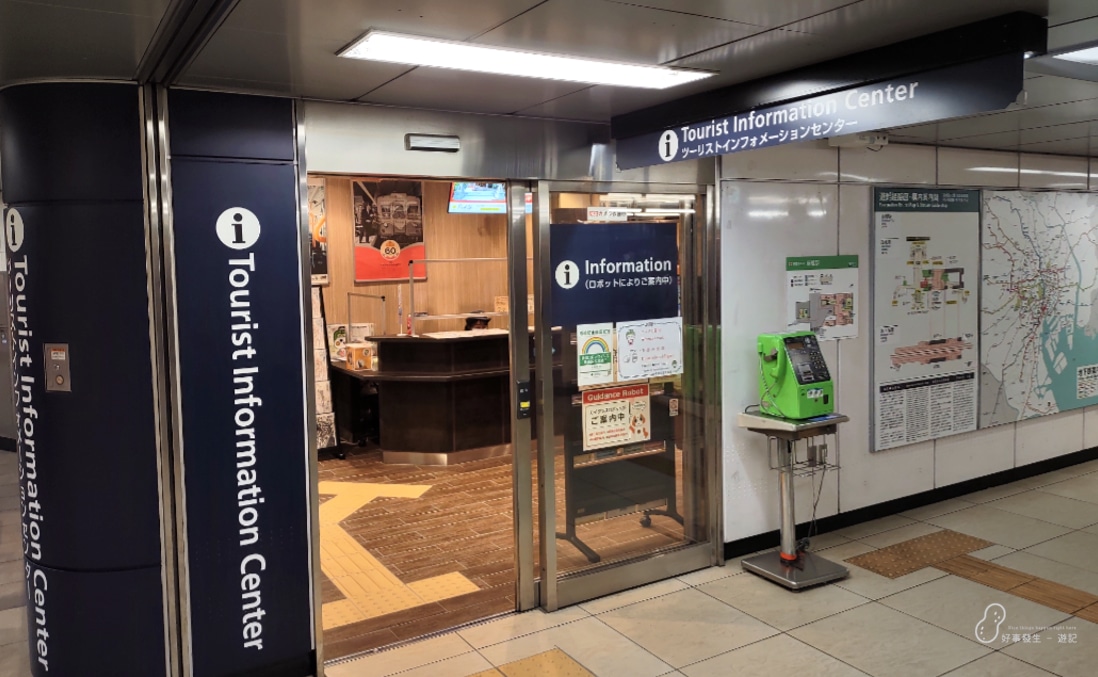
(288, 47)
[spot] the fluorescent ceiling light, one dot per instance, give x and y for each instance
(668, 211)
(1039, 172)
(1088, 56)
(417, 51)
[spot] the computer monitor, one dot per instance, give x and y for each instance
(478, 198)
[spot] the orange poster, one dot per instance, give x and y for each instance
(388, 230)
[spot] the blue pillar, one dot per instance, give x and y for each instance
(73, 180)
(237, 245)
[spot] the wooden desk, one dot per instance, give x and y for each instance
(440, 400)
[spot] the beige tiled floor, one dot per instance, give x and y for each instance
(723, 621)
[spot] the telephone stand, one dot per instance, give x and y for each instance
(791, 567)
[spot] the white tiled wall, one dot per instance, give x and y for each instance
(960, 167)
(1090, 427)
(975, 454)
(1053, 172)
(1039, 439)
(763, 223)
(788, 201)
(891, 164)
(810, 161)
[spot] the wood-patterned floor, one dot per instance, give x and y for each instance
(464, 524)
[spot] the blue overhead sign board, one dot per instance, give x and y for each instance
(613, 272)
(977, 87)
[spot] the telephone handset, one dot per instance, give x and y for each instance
(774, 365)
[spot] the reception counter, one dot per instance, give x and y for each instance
(439, 401)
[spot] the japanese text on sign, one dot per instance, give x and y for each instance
(616, 416)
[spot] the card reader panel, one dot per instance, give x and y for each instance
(806, 358)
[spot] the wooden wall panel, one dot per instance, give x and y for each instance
(449, 288)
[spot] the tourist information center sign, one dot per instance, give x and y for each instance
(977, 87)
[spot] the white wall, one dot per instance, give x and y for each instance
(810, 199)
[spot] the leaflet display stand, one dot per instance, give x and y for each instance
(327, 428)
(790, 566)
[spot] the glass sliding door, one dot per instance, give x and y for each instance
(627, 458)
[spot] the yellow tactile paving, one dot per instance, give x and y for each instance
(370, 590)
(552, 663)
(442, 587)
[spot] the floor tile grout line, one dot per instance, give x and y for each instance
(348, 660)
(749, 615)
(853, 667)
(423, 665)
(987, 646)
(528, 634)
(580, 663)
(778, 633)
(639, 601)
(964, 665)
(634, 642)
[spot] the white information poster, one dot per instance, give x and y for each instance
(595, 354)
(616, 416)
(649, 349)
(926, 317)
(821, 295)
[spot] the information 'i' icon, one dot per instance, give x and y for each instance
(669, 145)
(567, 274)
(238, 228)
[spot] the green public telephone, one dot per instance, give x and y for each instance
(793, 378)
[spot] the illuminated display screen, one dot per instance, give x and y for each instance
(478, 198)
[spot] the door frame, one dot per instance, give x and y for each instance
(545, 587)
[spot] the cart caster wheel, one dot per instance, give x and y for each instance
(646, 521)
(341, 455)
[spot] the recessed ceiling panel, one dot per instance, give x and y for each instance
(1046, 116)
(1082, 146)
(884, 21)
(53, 40)
(471, 92)
(759, 55)
(153, 8)
(345, 20)
(859, 26)
(928, 132)
(999, 141)
(1049, 89)
(1072, 130)
(249, 60)
(600, 103)
(606, 30)
(1065, 11)
(766, 13)
(290, 46)
(995, 123)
